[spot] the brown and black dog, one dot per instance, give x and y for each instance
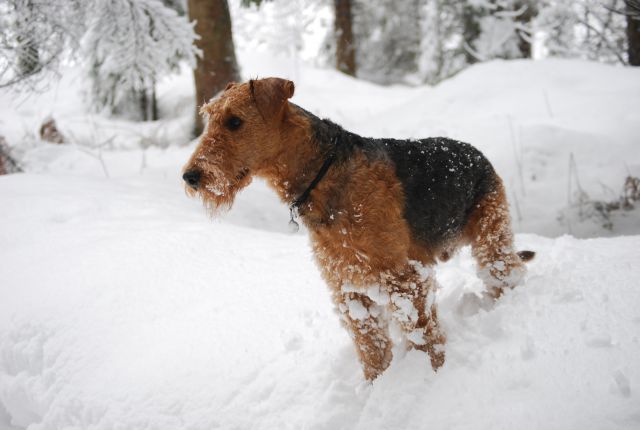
(380, 212)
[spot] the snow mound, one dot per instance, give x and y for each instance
(123, 306)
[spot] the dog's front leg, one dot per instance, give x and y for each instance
(369, 330)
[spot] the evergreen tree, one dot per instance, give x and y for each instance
(505, 29)
(387, 39)
(35, 35)
(442, 51)
(558, 21)
(128, 46)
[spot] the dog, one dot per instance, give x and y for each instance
(380, 212)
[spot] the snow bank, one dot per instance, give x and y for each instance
(123, 306)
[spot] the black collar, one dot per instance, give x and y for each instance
(294, 208)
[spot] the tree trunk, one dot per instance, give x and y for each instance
(345, 50)
(148, 103)
(218, 65)
(470, 29)
(633, 32)
(154, 103)
(525, 18)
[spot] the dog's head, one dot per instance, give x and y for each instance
(242, 136)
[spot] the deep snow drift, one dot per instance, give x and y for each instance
(123, 306)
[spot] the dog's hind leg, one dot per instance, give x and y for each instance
(367, 326)
(491, 237)
(412, 302)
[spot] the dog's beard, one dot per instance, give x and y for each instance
(218, 191)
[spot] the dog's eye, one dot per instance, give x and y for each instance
(233, 123)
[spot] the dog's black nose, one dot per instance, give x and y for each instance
(192, 177)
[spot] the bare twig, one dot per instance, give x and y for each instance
(517, 154)
(605, 26)
(91, 150)
(547, 103)
(98, 156)
(632, 9)
(602, 35)
(516, 204)
(475, 54)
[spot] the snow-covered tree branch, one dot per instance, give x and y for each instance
(128, 46)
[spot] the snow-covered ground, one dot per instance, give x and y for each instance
(123, 306)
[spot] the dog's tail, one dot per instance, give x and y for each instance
(526, 256)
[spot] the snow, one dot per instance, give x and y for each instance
(357, 311)
(124, 306)
(377, 295)
(405, 311)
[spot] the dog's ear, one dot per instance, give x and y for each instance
(271, 95)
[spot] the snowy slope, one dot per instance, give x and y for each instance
(123, 306)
